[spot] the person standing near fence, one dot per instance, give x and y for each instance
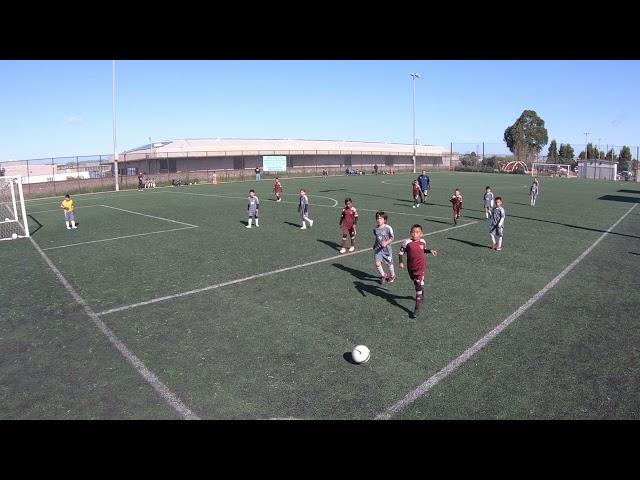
(258, 171)
(533, 192)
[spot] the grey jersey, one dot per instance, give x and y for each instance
(303, 205)
(497, 215)
(382, 233)
(488, 199)
(253, 205)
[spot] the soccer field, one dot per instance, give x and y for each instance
(162, 305)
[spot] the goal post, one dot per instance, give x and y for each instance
(550, 169)
(13, 215)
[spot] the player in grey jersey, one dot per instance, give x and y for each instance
(488, 201)
(382, 251)
(253, 205)
(303, 209)
(497, 225)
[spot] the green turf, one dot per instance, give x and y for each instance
(277, 346)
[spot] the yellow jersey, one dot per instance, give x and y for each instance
(67, 205)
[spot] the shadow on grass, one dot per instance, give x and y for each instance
(349, 358)
(31, 232)
(383, 293)
(329, 243)
(629, 191)
(357, 273)
(334, 190)
(620, 198)
(634, 253)
(473, 244)
(297, 225)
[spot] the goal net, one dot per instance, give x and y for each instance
(13, 216)
(550, 170)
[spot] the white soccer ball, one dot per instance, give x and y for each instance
(14, 236)
(360, 354)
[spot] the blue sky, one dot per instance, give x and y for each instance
(64, 108)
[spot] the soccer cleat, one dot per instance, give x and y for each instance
(68, 228)
(343, 250)
(248, 226)
(257, 225)
(413, 206)
(303, 227)
(310, 223)
(416, 313)
(391, 279)
(498, 249)
(352, 248)
(74, 227)
(384, 278)
(492, 246)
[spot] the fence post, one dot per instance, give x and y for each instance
(53, 172)
(78, 174)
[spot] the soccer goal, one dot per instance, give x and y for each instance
(13, 216)
(550, 170)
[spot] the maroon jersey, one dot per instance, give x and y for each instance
(277, 188)
(349, 217)
(416, 190)
(456, 201)
(416, 258)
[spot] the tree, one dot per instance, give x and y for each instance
(611, 155)
(567, 154)
(526, 137)
(490, 162)
(624, 159)
(552, 155)
(469, 159)
(591, 151)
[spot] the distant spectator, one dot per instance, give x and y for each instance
(375, 169)
(258, 170)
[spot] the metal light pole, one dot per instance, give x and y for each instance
(599, 157)
(414, 76)
(113, 115)
(586, 143)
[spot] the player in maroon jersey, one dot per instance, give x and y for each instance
(456, 201)
(277, 189)
(416, 248)
(348, 221)
(416, 194)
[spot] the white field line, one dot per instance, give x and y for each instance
(147, 374)
(60, 210)
(127, 236)
(480, 344)
(118, 238)
(150, 216)
(314, 204)
(259, 275)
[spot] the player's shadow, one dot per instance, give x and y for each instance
(518, 203)
(356, 273)
(438, 221)
(620, 198)
(297, 225)
(634, 253)
(330, 244)
(334, 190)
(473, 244)
(378, 291)
(624, 190)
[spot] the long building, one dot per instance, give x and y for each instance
(204, 154)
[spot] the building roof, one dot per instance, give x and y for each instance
(249, 146)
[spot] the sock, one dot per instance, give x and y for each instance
(391, 270)
(257, 223)
(419, 299)
(67, 224)
(303, 223)
(381, 270)
(73, 223)
(486, 214)
(343, 244)
(499, 242)
(493, 238)
(250, 220)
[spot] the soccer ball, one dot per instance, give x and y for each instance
(360, 354)
(14, 236)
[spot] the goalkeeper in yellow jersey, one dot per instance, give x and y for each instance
(67, 206)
